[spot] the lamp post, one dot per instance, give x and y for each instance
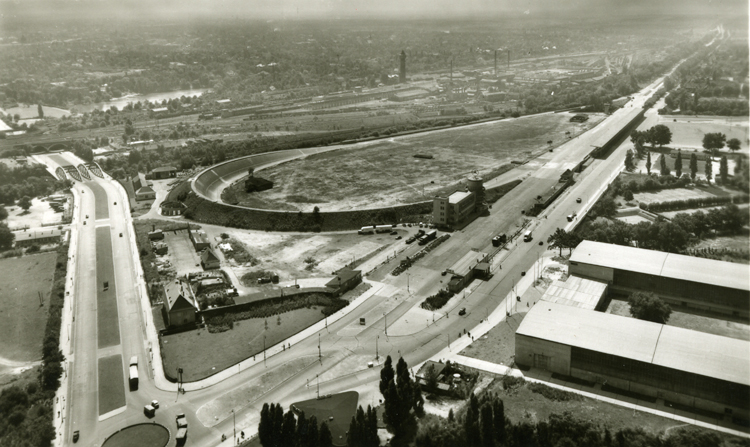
(408, 276)
(386, 323)
(320, 355)
(234, 422)
(264, 350)
(376, 346)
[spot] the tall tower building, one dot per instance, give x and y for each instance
(402, 68)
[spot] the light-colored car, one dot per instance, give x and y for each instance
(155, 403)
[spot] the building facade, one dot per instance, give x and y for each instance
(180, 305)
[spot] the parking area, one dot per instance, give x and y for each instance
(182, 255)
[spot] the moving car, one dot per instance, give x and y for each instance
(155, 403)
(76, 435)
(181, 421)
(149, 411)
(578, 200)
(462, 311)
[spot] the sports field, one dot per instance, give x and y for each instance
(23, 319)
(386, 172)
(337, 410)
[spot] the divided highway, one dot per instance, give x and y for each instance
(107, 327)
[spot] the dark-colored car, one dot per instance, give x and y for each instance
(578, 200)
(462, 311)
(76, 435)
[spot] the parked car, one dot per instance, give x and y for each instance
(399, 238)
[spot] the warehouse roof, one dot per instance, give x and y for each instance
(672, 347)
(668, 265)
(595, 331)
(705, 354)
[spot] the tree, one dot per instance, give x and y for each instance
(498, 412)
(250, 171)
(39, 111)
(663, 168)
(386, 375)
(713, 141)
(627, 195)
(723, 169)
(678, 164)
(486, 426)
(3, 213)
(559, 239)
(288, 429)
(629, 164)
(709, 170)
(471, 421)
(313, 437)
(265, 433)
(325, 439)
(737, 165)
(25, 202)
(648, 162)
(661, 135)
(734, 144)
(6, 236)
(649, 307)
(693, 166)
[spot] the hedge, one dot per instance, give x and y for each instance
(696, 202)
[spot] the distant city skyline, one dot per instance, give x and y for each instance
(364, 9)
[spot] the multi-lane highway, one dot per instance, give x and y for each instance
(107, 327)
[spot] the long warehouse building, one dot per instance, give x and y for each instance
(680, 366)
(680, 280)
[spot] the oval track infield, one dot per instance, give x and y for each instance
(141, 435)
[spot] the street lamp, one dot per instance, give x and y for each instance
(264, 350)
(234, 421)
(376, 346)
(408, 276)
(386, 323)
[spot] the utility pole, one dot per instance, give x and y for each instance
(320, 355)
(234, 421)
(376, 346)
(317, 379)
(264, 350)
(386, 323)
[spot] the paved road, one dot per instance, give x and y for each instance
(339, 344)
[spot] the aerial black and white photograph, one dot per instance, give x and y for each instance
(358, 223)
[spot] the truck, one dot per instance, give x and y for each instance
(149, 410)
(527, 237)
(432, 234)
(384, 228)
(181, 436)
(499, 240)
(181, 421)
(133, 373)
(370, 229)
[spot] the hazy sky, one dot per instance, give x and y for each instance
(364, 9)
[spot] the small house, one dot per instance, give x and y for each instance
(209, 260)
(345, 280)
(179, 305)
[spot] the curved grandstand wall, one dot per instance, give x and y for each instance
(208, 184)
(204, 203)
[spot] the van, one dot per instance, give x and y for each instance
(527, 236)
(570, 218)
(149, 410)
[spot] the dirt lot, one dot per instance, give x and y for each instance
(356, 178)
(23, 320)
(39, 213)
(201, 353)
(666, 195)
(688, 131)
(691, 321)
(286, 254)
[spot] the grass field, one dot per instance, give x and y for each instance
(386, 173)
(499, 344)
(691, 321)
(142, 435)
(524, 405)
(337, 410)
(202, 354)
(23, 319)
(111, 384)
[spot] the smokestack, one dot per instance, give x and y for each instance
(495, 62)
(402, 68)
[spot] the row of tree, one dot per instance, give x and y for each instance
(402, 396)
(279, 429)
(671, 236)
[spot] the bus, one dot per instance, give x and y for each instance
(134, 373)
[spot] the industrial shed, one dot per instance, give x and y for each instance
(680, 280)
(578, 292)
(681, 366)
